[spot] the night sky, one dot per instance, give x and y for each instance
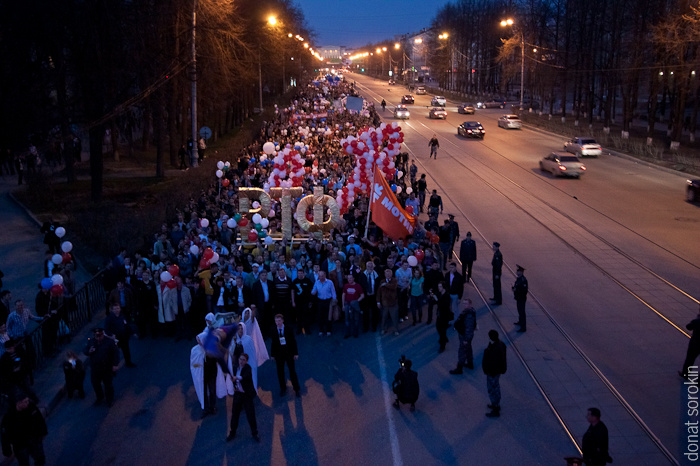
(354, 23)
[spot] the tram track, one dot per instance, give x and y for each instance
(582, 354)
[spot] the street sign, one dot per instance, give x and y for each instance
(205, 132)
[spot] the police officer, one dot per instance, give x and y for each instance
(520, 294)
(496, 266)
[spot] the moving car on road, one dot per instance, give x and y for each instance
(692, 193)
(402, 112)
(407, 99)
(437, 112)
(471, 129)
(583, 147)
(421, 90)
(562, 165)
(392, 82)
(438, 101)
(467, 109)
(492, 103)
(509, 122)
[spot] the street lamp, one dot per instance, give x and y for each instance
(415, 41)
(510, 22)
(446, 36)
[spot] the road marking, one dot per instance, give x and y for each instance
(393, 438)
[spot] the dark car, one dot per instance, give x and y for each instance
(692, 193)
(471, 129)
(466, 108)
(492, 103)
(407, 99)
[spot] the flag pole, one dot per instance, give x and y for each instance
(371, 197)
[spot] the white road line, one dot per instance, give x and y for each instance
(393, 438)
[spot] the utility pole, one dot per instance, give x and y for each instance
(193, 78)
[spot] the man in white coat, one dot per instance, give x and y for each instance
(176, 307)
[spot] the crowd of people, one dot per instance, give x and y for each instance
(201, 273)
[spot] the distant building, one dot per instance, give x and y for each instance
(332, 54)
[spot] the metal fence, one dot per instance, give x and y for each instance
(76, 312)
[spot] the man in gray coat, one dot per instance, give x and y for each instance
(465, 324)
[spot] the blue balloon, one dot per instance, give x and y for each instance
(252, 159)
(325, 182)
(46, 283)
(393, 187)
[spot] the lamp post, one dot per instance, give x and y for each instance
(510, 22)
(446, 36)
(193, 96)
(415, 41)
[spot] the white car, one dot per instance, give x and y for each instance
(509, 122)
(421, 90)
(402, 112)
(583, 147)
(438, 112)
(438, 101)
(562, 165)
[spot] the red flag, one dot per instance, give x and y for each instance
(387, 213)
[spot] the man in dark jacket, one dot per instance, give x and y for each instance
(444, 314)
(118, 329)
(23, 430)
(243, 398)
(693, 346)
(496, 267)
(406, 385)
(520, 294)
(595, 440)
(467, 255)
(465, 325)
(104, 358)
(494, 364)
(284, 350)
(432, 278)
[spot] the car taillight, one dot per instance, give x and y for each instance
(583, 168)
(469, 131)
(562, 168)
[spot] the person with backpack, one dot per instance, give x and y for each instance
(465, 325)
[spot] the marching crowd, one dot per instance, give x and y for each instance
(355, 279)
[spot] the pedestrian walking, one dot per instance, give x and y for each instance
(23, 430)
(520, 295)
(182, 154)
(494, 364)
(444, 315)
(693, 346)
(454, 284)
(434, 144)
(244, 394)
(104, 358)
(435, 204)
(467, 255)
(284, 350)
(454, 233)
(496, 267)
(388, 300)
(422, 187)
(595, 440)
(118, 329)
(465, 325)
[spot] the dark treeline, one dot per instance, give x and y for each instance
(123, 68)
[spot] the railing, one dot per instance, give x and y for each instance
(76, 312)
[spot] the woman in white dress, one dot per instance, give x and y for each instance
(243, 343)
(224, 385)
(253, 330)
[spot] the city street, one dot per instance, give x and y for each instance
(608, 259)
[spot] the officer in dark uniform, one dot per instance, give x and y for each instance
(520, 294)
(496, 266)
(467, 255)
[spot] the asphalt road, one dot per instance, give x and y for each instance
(595, 264)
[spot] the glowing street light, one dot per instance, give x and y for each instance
(397, 46)
(510, 22)
(272, 20)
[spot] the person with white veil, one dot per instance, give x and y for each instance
(223, 383)
(253, 330)
(243, 343)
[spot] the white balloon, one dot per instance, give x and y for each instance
(231, 223)
(60, 232)
(412, 261)
(165, 276)
(256, 205)
(399, 189)
(272, 213)
(57, 259)
(67, 246)
(204, 222)
(214, 259)
(264, 223)
(57, 279)
(409, 190)
(194, 249)
(257, 218)
(269, 147)
(220, 165)
(219, 173)
(399, 174)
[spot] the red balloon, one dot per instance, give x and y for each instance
(435, 239)
(420, 254)
(310, 216)
(209, 252)
(67, 257)
(243, 222)
(409, 209)
(56, 290)
(174, 270)
(252, 236)
(225, 182)
(171, 283)
(204, 263)
(428, 235)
